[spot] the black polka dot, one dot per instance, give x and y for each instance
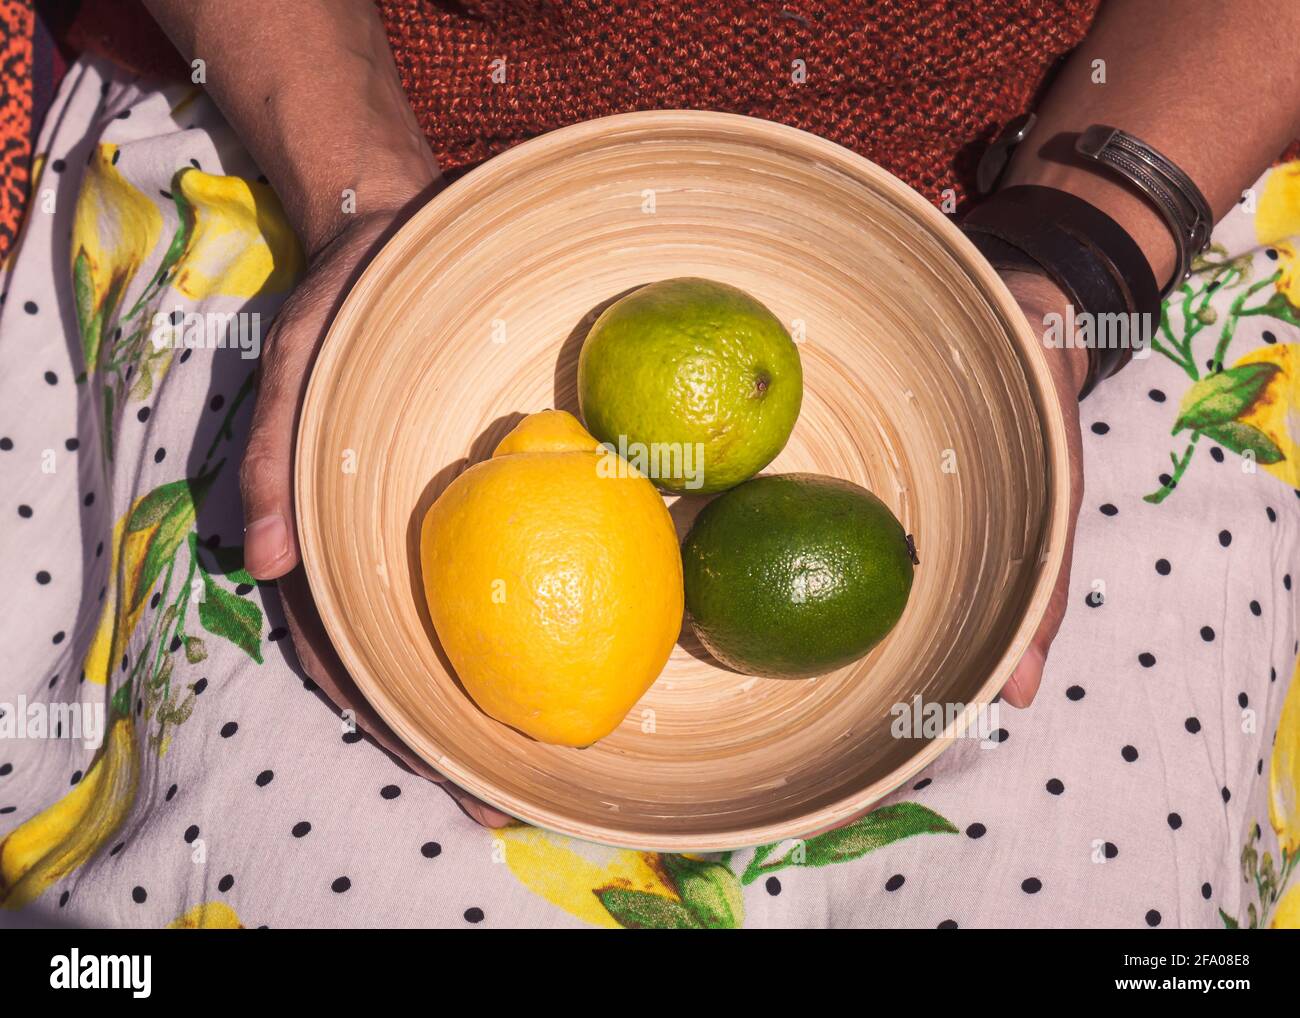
(51, 378)
(1146, 659)
(1225, 793)
(1206, 891)
(999, 735)
(138, 895)
(89, 500)
(63, 898)
(6, 444)
(225, 883)
(191, 833)
(124, 114)
(25, 511)
(1255, 609)
(264, 778)
(1129, 753)
(159, 454)
(340, 885)
(117, 849)
(390, 791)
(1207, 634)
(229, 729)
(199, 686)
(947, 924)
(1031, 885)
(217, 402)
(1100, 427)
(1056, 786)
(1192, 725)
(7, 809)
(58, 637)
(1272, 254)
(42, 577)
(1268, 336)
(976, 830)
(473, 915)
(243, 588)
(6, 768)
(1243, 701)
(773, 886)
(921, 784)
(431, 850)
(76, 776)
(1110, 850)
(171, 793)
(58, 166)
(142, 414)
(30, 307)
(351, 738)
(1094, 599)
(1075, 693)
(301, 829)
(71, 444)
(277, 634)
(1216, 454)
(1153, 918)
(1225, 537)
(1286, 581)
(1272, 514)
(1175, 821)
(1259, 767)
(895, 882)
(1156, 395)
(1107, 509)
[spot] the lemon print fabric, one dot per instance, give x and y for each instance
(225, 791)
(553, 580)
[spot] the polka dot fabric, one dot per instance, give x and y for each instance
(1152, 784)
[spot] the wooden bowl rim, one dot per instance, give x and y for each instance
(1032, 358)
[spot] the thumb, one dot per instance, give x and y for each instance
(266, 475)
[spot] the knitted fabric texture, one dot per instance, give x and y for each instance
(918, 86)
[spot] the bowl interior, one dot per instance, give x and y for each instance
(922, 383)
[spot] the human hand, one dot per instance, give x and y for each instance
(266, 476)
(1038, 297)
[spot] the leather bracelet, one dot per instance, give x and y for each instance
(1087, 254)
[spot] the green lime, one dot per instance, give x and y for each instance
(794, 575)
(694, 383)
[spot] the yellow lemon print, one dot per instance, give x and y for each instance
(570, 873)
(52, 844)
(114, 230)
(1284, 775)
(239, 242)
(1276, 412)
(209, 915)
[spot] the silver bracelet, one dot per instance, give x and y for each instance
(1178, 199)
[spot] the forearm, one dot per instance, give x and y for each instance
(312, 92)
(1215, 87)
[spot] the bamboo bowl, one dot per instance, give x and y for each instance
(922, 382)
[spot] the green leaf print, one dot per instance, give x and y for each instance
(1242, 438)
(170, 509)
(640, 910)
(709, 890)
(229, 562)
(878, 828)
(89, 322)
(1223, 397)
(232, 618)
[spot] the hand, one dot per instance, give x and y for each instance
(266, 476)
(1039, 296)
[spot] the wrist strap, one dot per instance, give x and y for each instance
(1087, 254)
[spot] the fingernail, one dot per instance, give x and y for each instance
(266, 541)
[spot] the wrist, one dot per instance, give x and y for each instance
(1040, 298)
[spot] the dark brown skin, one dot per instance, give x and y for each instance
(312, 91)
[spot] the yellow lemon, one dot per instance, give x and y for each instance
(554, 582)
